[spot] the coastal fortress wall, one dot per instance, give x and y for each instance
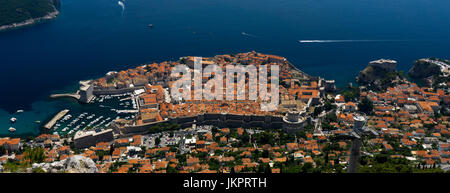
(87, 91)
(219, 120)
(88, 138)
(385, 64)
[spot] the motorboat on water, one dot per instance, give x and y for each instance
(67, 117)
(12, 129)
(13, 119)
(19, 111)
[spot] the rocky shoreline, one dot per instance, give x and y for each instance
(32, 21)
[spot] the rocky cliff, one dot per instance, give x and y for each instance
(376, 70)
(17, 13)
(74, 164)
(379, 74)
(423, 69)
(370, 74)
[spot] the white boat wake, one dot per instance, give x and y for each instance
(121, 4)
(249, 35)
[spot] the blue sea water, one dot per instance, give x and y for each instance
(90, 38)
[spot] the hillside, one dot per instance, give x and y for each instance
(379, 74)
(18, 11)
(423, 69)
(370, 74)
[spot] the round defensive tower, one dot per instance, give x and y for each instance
(293, 122)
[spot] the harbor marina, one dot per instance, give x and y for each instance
(100, 112)
(56, 118)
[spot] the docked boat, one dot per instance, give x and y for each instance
(13, 120)
(20, 111)
(12, 129)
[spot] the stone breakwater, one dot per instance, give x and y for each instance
(28, 22)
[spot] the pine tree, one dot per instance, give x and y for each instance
(268, 170)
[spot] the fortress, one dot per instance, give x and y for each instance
(297, 92)
(389, 65)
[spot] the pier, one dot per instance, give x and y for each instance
(127, 111)
(67, 95)
(56, 118)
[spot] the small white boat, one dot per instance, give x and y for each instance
(20, 111)
(12, 129)
(13, 119)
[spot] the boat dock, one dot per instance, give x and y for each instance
(67, 95)
(56, 118)
(126, 111)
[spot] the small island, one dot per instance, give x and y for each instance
(14, 14)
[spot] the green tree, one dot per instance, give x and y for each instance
(232, 170)
(34, 155)
(267, 170)
(157, 141)
(366, 106)
(351, 94)
(329, 105)
(317, 111)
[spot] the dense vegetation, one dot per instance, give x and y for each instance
(377, 78)
(423, 69)
(34, 155)
(366, 106)
(383, 163)
(31, 155)
(351, 94)
(14, 11)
